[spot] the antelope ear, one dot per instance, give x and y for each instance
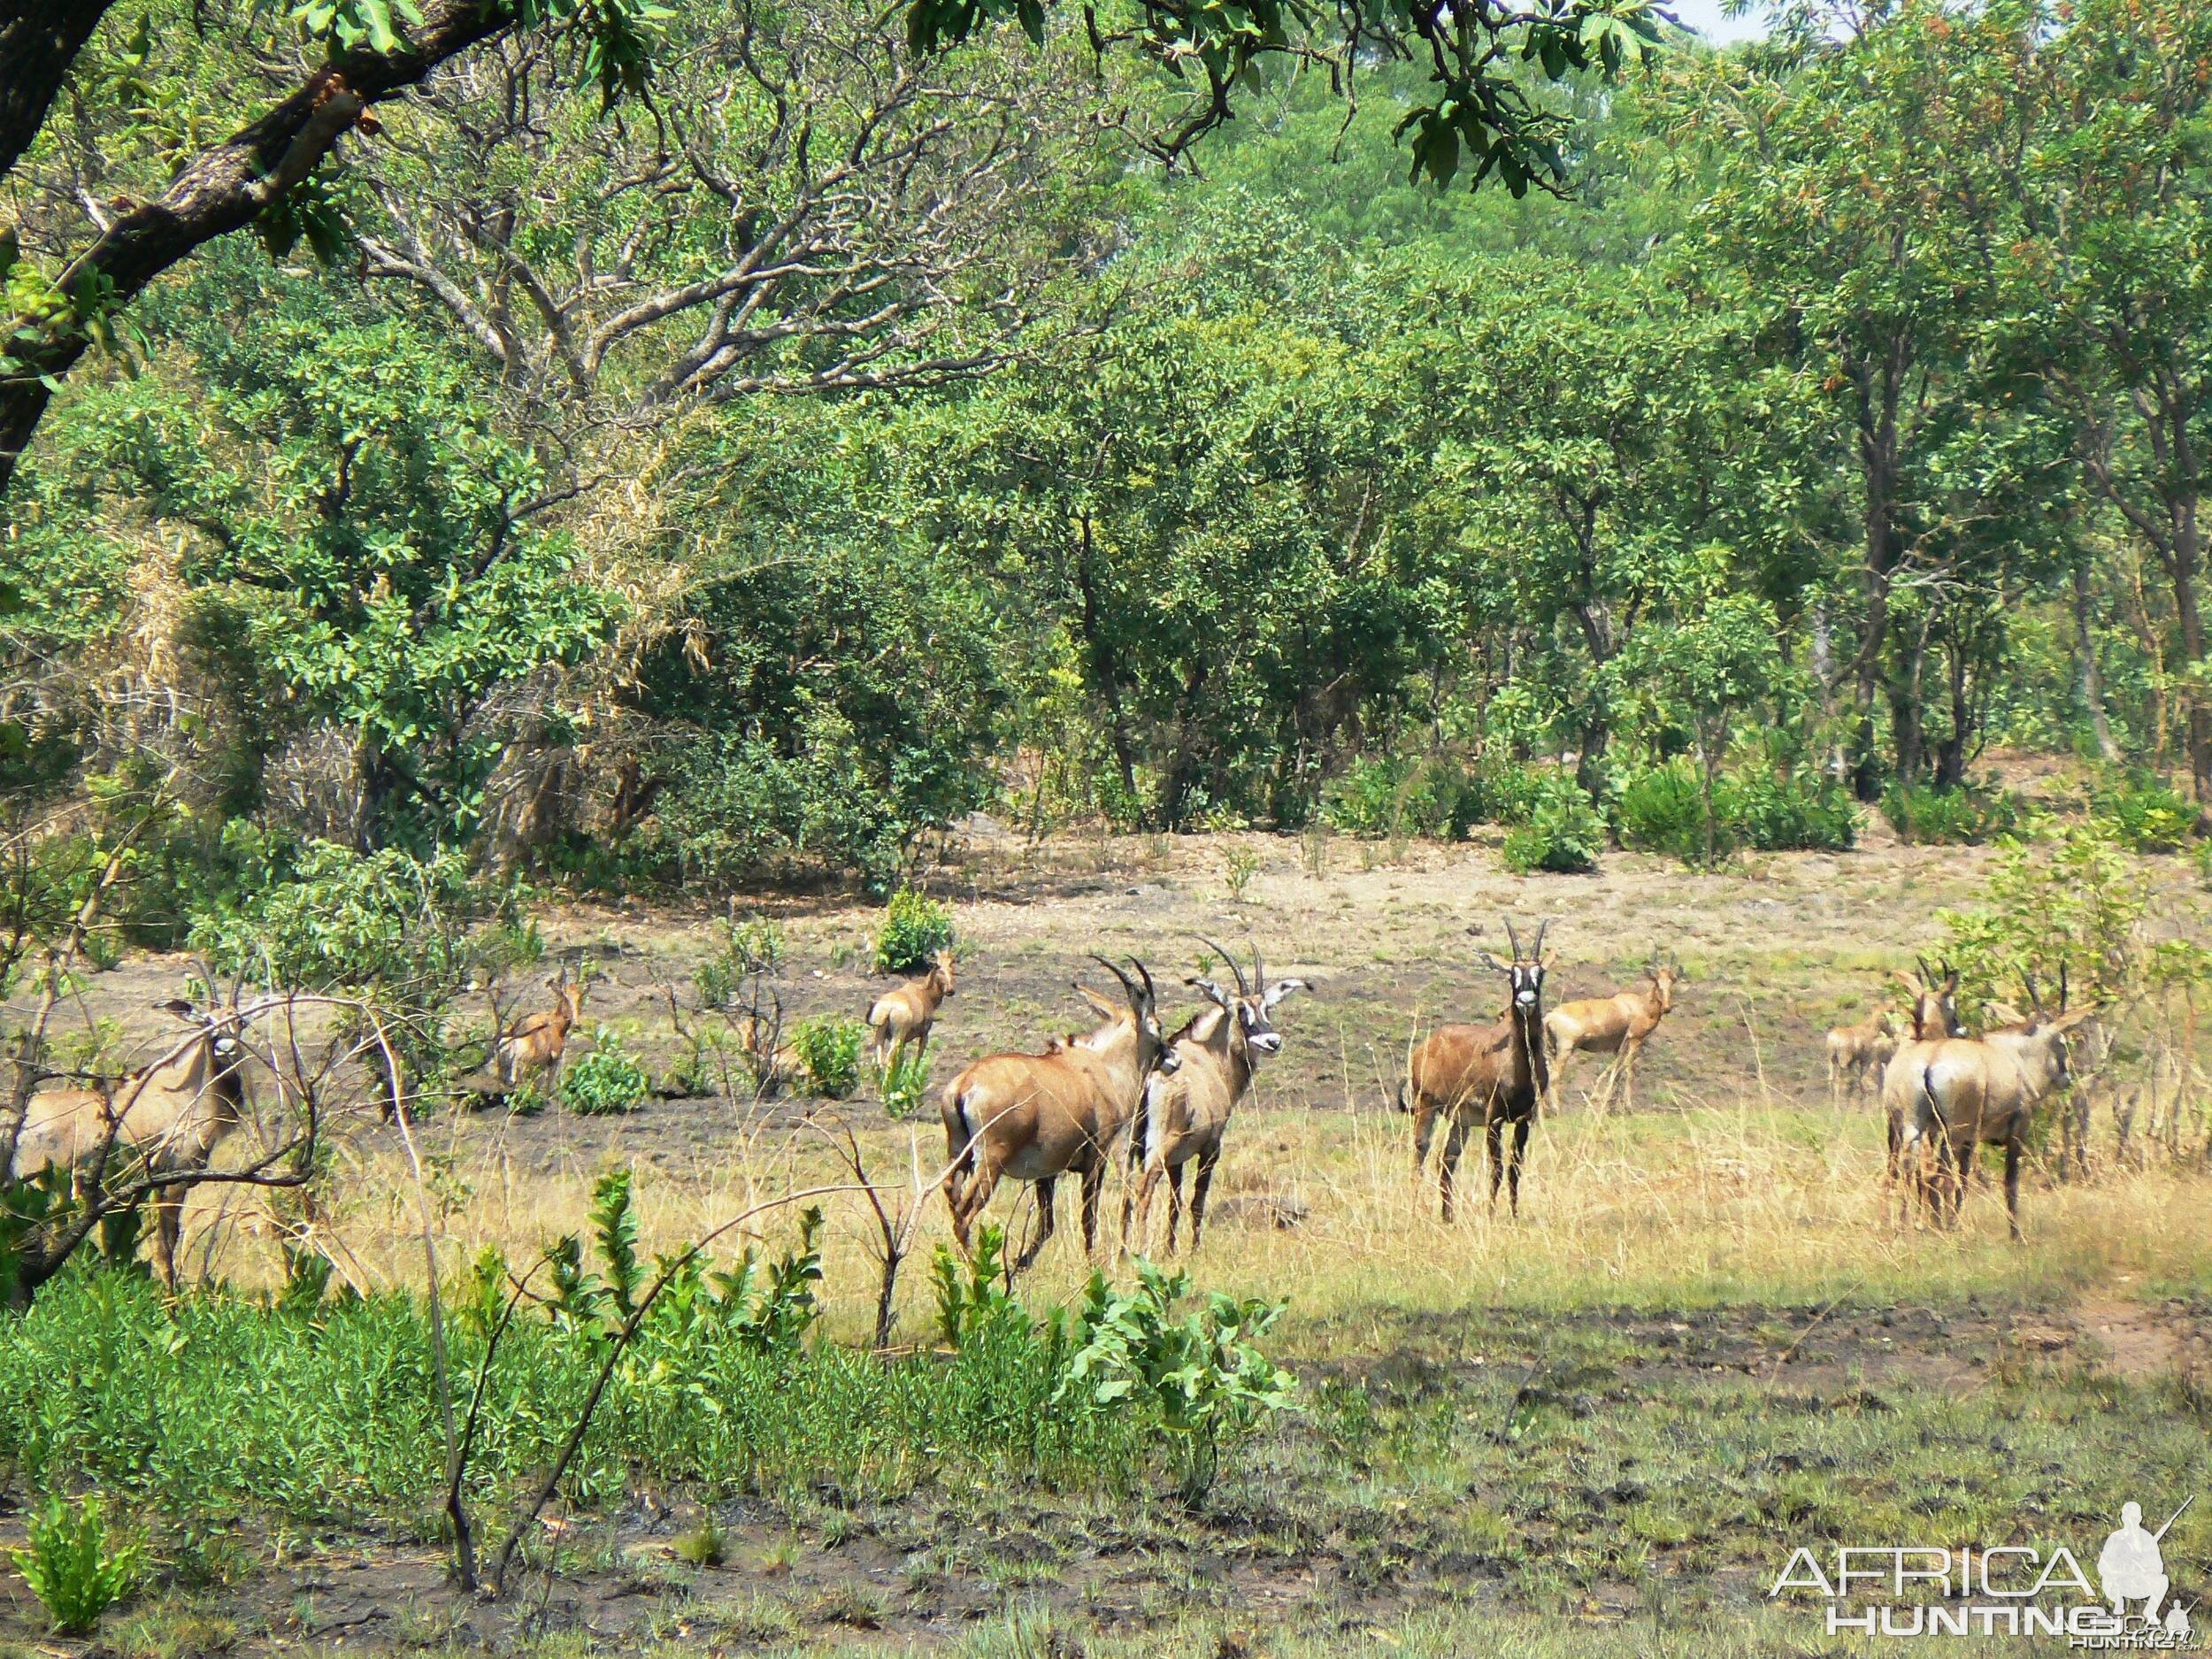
(1906, 981)
(181, 1009)
(1546, 961)
(1208, 990)
(2007, 1014)
(1280, 990)
(2072, 1017)
(1104, 1007)
(1489, 961)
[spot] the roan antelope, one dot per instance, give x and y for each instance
(1037, 1116)
(1185, 1114)
(1977, 1091)
(536, 1044)
(1496, 1075)
(163, 1120)
(1619, 1025)
(904, 1016)
(1860, 1052)
(1934, 1017)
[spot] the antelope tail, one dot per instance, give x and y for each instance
(963, 1161)
(1401, 1104)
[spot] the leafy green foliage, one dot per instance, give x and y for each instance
(1663, 810)
(915, 927)
(607, 1080)
(2149, 815)
(829, 1050)
(1921, 812)
(73, 1566)
(904, 1083)
(1563, 834)
(1203, 1371)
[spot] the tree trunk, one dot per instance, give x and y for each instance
(1951, 753)
(2092, 679)
(1104, 681)
(39, 39)
(1904, 708)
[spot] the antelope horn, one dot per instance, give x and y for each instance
(2062, 987)
(1259, 969)
(1150, 996)
(1537, 949)
(1242, 989)
(1512, 939)
(1128, 988)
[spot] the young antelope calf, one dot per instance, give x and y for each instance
(1857, 1053)
(536, 1044)
(905, 1015)
(1619, 1025)
(1185, 1113)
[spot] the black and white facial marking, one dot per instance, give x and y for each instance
(1527, 978)
(1254, 1011)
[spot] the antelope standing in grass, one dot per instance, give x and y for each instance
(163, 1120)
(535, 1045)
(1859, 1052)
(1037, 1116)
(1495, 1075)
(1619, 1025)
(1934, 1017)
(1977, 1091)
(1185, 1114)
(905, 1015)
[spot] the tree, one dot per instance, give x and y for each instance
(358, 536)
(328, 63)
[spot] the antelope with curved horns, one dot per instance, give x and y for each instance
(1494, 1074)
(1934, 1017)
(1977, 1091)
(165, 1118)
(1037, 1116)
(537, 1043)
(1185, 1114)
(905, 1015)
(1619, 1025)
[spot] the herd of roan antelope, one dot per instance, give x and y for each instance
(1034, 1117)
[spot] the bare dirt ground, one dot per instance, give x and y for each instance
(1647, 1370)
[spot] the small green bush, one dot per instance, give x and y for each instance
(1920, 812)
(605, 1081)
(72, 1567)
(829, 1049)
(915, 928)
(2147, 816)
(1661, 811)
(1777, 814)
(904, 1084)
(1563, 834)
(1440, 797)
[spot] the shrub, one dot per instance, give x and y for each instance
(605, 1081)
(1564, 833)
(2148, 815)
(1661, 811)
(1786, 814)
(904, 1084)
(915, 928)
(1923, 813)
(1202, 1372)
(829, 1049)
(72, 1566)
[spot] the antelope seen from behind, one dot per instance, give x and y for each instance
(1186, 1111)
(1037, 1116)
(535, 1045)
(1983, 1091)
(1495, 1075)
(1619, 1025)
(159, 1125)
(904, 1016)
(1934, 1017)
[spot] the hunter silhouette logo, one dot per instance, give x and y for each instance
(2005, 1590)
